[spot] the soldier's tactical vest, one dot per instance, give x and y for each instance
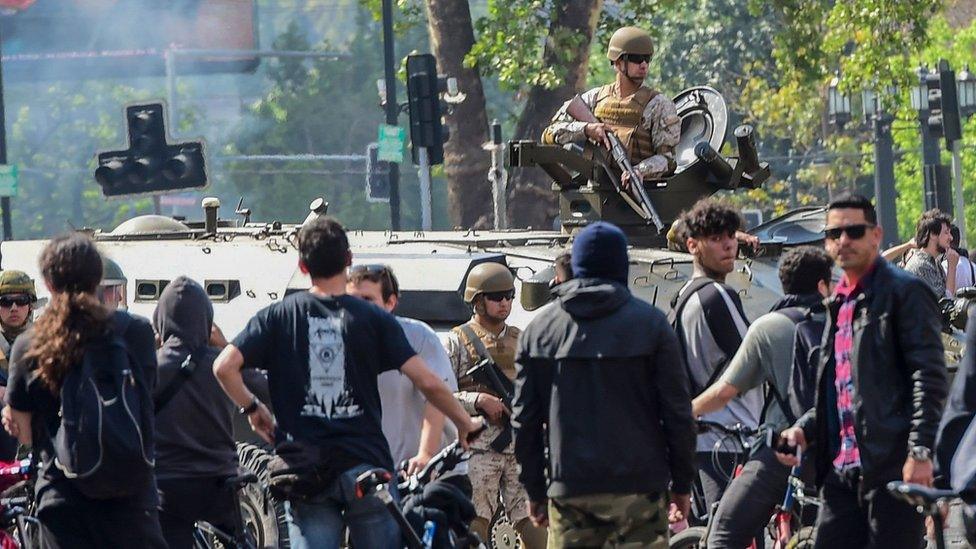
(626, 116)
(502, 351)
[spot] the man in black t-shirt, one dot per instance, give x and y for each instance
(322, 350)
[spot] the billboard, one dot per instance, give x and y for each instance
(72, 39)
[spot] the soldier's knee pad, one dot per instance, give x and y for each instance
(532, 536)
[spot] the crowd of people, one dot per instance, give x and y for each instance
(596, 446)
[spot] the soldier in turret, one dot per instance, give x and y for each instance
(644, 119)
(490, 289)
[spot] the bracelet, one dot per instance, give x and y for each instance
(250, 408)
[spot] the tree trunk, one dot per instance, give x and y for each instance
(531, 201)
(465, 162)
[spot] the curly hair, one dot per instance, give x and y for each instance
(72, 268)
(802, 268)
(709, 217)
(930, 224)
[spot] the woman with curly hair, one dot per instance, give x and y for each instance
(40, 361)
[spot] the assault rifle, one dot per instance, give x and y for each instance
(486, 373)
(636, 194)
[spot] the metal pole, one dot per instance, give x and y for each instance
(392, 108)
(8, 232)
(957, 198)
(498, 177)
(423, 171)
(171, 87)
(884, 178)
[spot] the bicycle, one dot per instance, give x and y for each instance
(376, 482)
(208, 536)
(928, 501)
(785, 526)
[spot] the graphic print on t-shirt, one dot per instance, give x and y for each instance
(328, 395)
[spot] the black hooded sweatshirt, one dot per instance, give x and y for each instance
(194, 431)
(600, 372)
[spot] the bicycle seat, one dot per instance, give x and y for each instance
(918, 495)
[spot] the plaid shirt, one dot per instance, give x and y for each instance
(849, 456)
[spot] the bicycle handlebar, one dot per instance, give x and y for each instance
(737, 430)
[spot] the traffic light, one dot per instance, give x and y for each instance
(150, 164)
(943, 103)
(427, 128)
(377, 176)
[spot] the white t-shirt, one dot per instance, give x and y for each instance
(964, 272)
(403, 405)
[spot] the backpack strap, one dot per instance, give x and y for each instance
(796, 315)
(175, 384)
(678, 303)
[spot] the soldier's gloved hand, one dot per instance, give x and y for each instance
(492, 407)
(597, 132)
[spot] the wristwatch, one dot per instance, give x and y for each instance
(920, 453)
(250, 408)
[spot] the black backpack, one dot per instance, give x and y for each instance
(806, 354)
(104, 443)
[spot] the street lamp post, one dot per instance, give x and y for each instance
(966, 97)
(934, 173)
(839, 114)
(884, 163)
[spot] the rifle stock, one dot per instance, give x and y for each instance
(637, 194)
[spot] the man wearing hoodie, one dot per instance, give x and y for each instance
(766, 358)
(195, 451)
(600, 389)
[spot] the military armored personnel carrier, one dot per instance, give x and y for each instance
(246, 265)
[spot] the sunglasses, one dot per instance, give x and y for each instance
(7, 302)
(500, 296)
(376, 272)
(637, 58)
(854, 232)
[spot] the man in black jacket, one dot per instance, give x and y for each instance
(880, 387)
(600, 372)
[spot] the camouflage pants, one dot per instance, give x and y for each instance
(490, 473)
(608, 520)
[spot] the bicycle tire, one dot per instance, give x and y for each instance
(264, 517)
(689, 538)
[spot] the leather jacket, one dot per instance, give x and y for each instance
(899, 374)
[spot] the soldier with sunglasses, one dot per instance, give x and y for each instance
(17, 299)
(490, 290)
(644, 119)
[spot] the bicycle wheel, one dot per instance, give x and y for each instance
(264, 517)
(803, 539)
(689, 538)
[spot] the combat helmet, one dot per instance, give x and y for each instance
(17, 282)
(487, 278)
(112, 273)
(629, 40)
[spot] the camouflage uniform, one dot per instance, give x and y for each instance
(646, 122)
(14, 282)
(608, 520)
(490, 471)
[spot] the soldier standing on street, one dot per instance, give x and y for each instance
(644, 119)
(17, 299)
(490, 289)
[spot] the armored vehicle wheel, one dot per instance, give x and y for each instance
(689, 538)
(264, 517)
(503, 534)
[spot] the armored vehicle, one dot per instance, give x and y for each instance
(246, 265)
